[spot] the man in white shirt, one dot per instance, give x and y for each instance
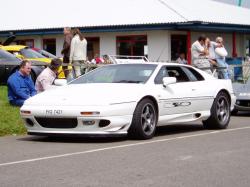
(46, 79)
(199, 52)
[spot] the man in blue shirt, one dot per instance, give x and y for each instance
(20, 85)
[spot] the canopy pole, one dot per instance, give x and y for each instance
(189, 47)
(234, 52)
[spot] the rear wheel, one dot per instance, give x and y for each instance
(144, 120)
(220, 113)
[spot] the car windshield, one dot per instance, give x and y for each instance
(4, 55)
(29, 53)
(120, 73)
(47, 54)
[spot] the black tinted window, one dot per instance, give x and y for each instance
(193, 74)
(171, 71)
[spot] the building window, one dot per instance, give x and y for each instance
(93, 47)
(178, 46)
(50, 45)
(26, 42)
(131, 45)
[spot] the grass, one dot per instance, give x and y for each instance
(10, 120)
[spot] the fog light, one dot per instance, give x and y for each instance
(104, 123)
(89, 122)
(29, 122)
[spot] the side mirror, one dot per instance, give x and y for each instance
(168, 80)
(60, 82)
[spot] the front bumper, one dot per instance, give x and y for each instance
(242, 105)
(70, 122)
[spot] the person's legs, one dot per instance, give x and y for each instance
(224, 72)
(77, 69)
(65, 68)
(18, 102)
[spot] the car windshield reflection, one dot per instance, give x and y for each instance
(29, 53)
(121, 73)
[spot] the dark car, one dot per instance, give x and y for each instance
(242, 92)
(9, 64)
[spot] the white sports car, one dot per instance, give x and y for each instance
(130, 98)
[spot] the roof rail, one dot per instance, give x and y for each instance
(119, 59)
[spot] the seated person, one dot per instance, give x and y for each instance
(20, 85)
(46, 79)
(181, 59)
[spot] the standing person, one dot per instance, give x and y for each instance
(20, 85)
(220, 55)
(78, 51)
(46, 79)
(181, 59)
(66, 49)
(199, 53)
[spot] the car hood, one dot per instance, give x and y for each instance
(89, 95)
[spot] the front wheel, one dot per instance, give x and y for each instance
(144, 120)
(220, 113)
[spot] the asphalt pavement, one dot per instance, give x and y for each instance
(179, 155)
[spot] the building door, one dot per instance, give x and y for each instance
(50, 45)
(178, 46)
(131, 45)
(93, 47)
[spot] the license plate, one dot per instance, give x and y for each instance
(53, 112)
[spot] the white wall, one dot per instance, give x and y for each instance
(159, 46)
(107, 44)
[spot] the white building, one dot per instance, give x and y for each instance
(160, 29)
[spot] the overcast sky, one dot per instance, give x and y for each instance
(244, 3)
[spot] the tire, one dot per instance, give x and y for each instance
(220, 113)
(144, 120)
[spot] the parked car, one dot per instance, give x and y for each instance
(24, 52)
(242, 92)
(130, 98)
(44, 53)
(9, 64)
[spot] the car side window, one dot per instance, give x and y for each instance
(178, 73)
(193, 74)
(171, 71)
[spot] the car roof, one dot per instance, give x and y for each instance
(156, 63)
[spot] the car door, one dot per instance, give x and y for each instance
(179, 97)
(202, 90)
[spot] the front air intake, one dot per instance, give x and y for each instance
(104, 123)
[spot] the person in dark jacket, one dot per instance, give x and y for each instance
(20, 85)
(66, 48)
